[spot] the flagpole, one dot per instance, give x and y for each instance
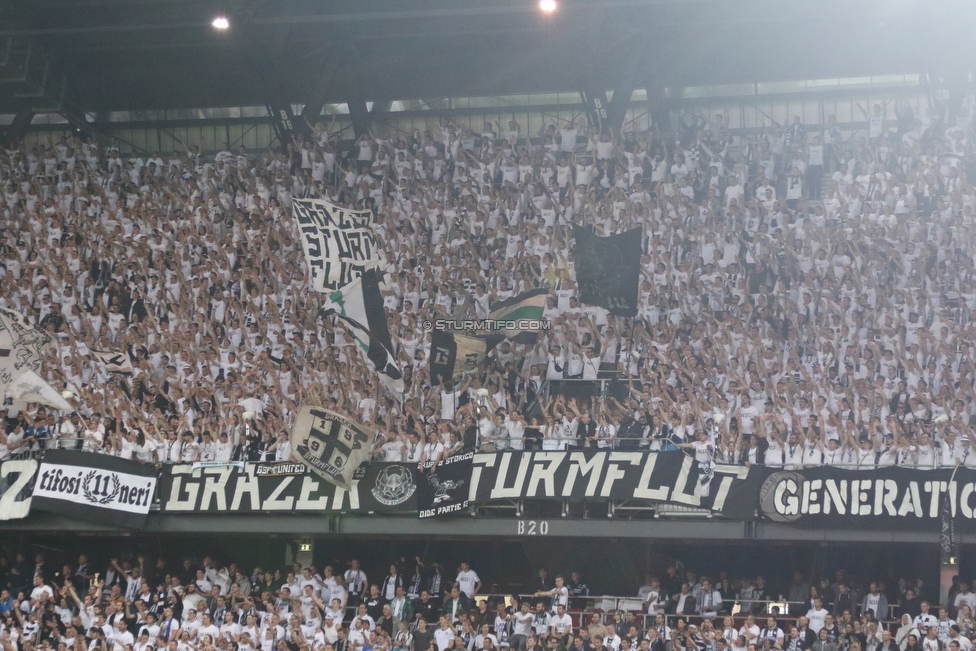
(947, 511)
(948, 565)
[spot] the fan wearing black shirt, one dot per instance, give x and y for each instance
(423, 636)
(426, 609)
(374, 603)
(577, 588)
(532, 435)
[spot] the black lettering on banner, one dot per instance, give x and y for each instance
(339, 244)
(327, 273)
(326, 235)
(345, 274)
(314, 242)
(342, 243)
(355, 246)
(318, 269)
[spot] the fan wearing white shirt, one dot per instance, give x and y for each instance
(559, 594)
(709, 601)
(122, 636)
(817, 615)
(561, 627)
(468, 581)
(444, 635)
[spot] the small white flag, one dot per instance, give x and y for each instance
(114, 362)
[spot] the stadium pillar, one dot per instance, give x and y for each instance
(360, 116)
(658, 107)
(610, 114)
(313, 108)
(381, 107)
(18, 128)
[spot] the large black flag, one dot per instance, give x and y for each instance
(446, 491)
(608, 270)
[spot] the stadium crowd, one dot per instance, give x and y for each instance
(205, 605)
(806, 294)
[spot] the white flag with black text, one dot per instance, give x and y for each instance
(339, 244)
(20, 353)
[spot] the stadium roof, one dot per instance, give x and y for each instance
(148, 54)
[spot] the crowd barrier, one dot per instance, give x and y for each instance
(583, 607)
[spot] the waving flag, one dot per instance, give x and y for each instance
(20, 360)
(20, 345)
(31, 387)
(608, 269)
(118, 362)
(360, 305)
(330, 444)
(339, 244)
(523, 313)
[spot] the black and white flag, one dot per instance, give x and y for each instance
(331, 445)
(452, 354)
(94, 487)
(20, 364)
(947, 528)
(360, 305)
(445, 489)
(339, 244)
(117, 362)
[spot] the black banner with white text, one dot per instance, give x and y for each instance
(444, 489)
(95, 487)
(890, 498)
(233, 489)
(119, 492)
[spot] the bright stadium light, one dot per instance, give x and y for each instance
(220, 22)
(547, 6)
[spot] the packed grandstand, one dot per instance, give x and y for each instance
(202, 604)
(805, 299)
(738, 410)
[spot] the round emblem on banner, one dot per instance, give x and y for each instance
(394, 486)
(768, 497)
(95, 488)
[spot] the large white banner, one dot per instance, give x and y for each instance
(339, 244)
